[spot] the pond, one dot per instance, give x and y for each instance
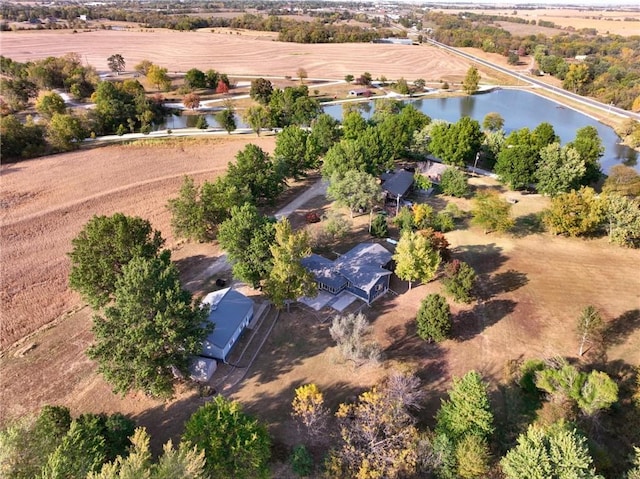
(519, 109)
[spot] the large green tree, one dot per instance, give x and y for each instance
(459, 280)
(103, 248)
(50, 103)
(456, 143)
(622, 217)
(151, 328)
(257, 117)
(454, 182)
(195, 78)
(255, 169)
(65, 132)
(291, 151)
(467, 411)
(560, 169)
(235, 445)
(288, 279)
(556, 451)
(471, 81)
(416, 259)
(246, 238)
(186, 212)
(356, 190)
(434, 318)
(261, 90)
(226, 118)
(589, 147)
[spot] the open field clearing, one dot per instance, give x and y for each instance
(237, 54)
(605, 22)
(45, 203)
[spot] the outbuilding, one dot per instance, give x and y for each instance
(230, 312)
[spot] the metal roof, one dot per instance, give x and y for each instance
(399, 183)
(228, 308)
(324, 271)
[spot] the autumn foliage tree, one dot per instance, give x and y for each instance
(308, 407)
(491, 212)
(416, 259)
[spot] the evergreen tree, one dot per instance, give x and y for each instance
(434, 319)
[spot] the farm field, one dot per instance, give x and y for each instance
(237, 55)
(610, 21)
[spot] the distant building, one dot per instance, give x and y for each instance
(231, 312)
(394, 41)
(360, 92)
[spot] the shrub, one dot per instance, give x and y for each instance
(379, 227)
(443, 222)
(301, 461)
(201, 123)
(434, 318)
(121, 130)
(454, 183)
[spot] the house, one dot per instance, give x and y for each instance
(431, 169)
(360, 272)
(396, 186)
(231, 312)
(360, 92)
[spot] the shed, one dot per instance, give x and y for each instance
(231, 312)
(360, 92)
(399, 184)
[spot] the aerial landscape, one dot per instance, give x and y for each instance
(319, 239)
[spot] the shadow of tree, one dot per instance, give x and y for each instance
(618, 330)
(468, 324)
(504, 282)
(484, 258)
(528, 225)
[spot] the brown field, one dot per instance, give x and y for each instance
(236, 54)
(605, 22)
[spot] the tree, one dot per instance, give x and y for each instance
(226, 118)
(103, 248)
(623, 220)
(218, 198)
(355, 189)
(560, 169)
(589, 326)
(152, 328)
(191, 100)
(419, 84)
(65, 132)
(517, 160)
(554, 451)
(471, 81)
(288, 279)
(187, 212)
(302, 74)
(291, 151)
(467, 412)
(491, 212)
(454, 183)
(222, 88)
(576, 79)
(351, 333)
(635, 472)
(589, 146)
(195, 78)
(143, 67)
(415, 259)
(423, 216)
(159, 77)
(457, 143)
(325, 131)
(257, 117)
(493, 121)
(434, 318)
(26, 444)
(184, 462)
(261, 91)
(348, 78)
(308, 407)
(49, 104)
(18, 140)
(116, 63)
(235, 444)
(246, 237)
(622, 180)
(472, 456)
(378, 435)
(459, 280)
(575, 213)
(379, 227)
(255, 170)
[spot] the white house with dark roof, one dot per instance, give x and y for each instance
(361, 271)
(231, 312)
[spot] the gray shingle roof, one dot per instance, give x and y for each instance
(399, 183)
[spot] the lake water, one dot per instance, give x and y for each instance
(520, 109)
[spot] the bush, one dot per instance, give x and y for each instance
(301, 461)
(434, 318)
(201, 123)
(145, 129)
(454, 183)
(443, 222)
(121, 130)
(379, 227)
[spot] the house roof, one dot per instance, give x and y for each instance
(228, 308)
(364, 264)
(324, 271)
(399, 183)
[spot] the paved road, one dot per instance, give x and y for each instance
(537, 83)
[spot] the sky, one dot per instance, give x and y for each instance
(586, 3)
